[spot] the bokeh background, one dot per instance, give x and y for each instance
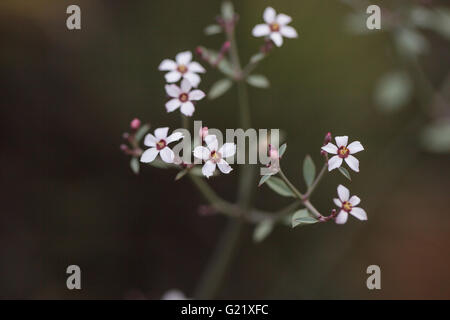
(69, 196)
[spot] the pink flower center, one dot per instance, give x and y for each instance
(347, 206)
(215, 156)
(161, 144)
(183, 97)
(182, 68)
(343, 152)
(274, 27)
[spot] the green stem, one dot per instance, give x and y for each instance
(316, 181)
(300, 196)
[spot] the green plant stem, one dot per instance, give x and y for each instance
(316, 181)
(229, 241)
(300, 196)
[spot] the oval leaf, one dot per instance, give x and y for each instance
(212, 29)
(279, 186)
(258, 81)
(282, 150)
(345, 173)
(142, 131)
(262, 230)
(302, 217)
(134, 164)
(309, 170)
(227, 10)
(219, 88)
(393, 91)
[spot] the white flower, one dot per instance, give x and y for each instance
(347, 205)
(214, 157)
(343, 152)
(158, 144)
(275, 27)
(183, 97)
(183, 66)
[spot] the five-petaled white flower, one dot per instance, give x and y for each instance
(275, 27)
(347, 205)
(343, 152)
(158, 144)
(183, 96)
(183, 66)
(214, 156)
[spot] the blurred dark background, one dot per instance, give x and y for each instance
(69, 196)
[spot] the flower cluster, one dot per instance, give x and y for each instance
(344, 151)
(182, 68)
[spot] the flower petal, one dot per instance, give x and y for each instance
(341, 141)
(355, 147)
(359, 213)
(150, 140)
(193, 78)
(208, 168)
(196, 95)
(224, 166)
(352, 162)
(187, 108)
(149, 155)
(186, 85)
(334, 162)
(196, 67)
(343, 193)
(172, 76)
(276, 38)
(167, 65)
(167, 155)
(354, 200)
(337, 202)
(174, 137)
(161, 133)
(269, 15)
(288, 32)
(342, 217)
(172, 90)
(211, 142)
(201, 152)
(173, 104)
(227, 150)
(330, 148)
(283, 19)
(261, 30)
(184, 58)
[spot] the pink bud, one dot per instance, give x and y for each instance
(124, 147)
(135, 124)
(226, 46)
(327, 138)
(199, 51)
(203, 132)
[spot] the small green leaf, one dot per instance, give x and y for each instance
(258, 81)
(219, 88)
(263, 179)
(302, 217)
(226, 68)
(436, 137)
(142, 131)
(262, 230)
(134, 164)
(279, 186)
(410, 42)
(309, 171)
(282, 150)
(345, 173)
(212, 29)
(227, 10)
(257, 57)
(393, 91)
(181, 174)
